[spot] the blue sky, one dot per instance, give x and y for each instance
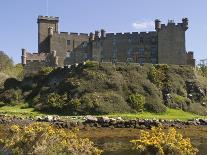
(18, 26)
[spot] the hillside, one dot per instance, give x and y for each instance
(105, 88)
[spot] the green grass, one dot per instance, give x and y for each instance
(171, 114)
(19, 110)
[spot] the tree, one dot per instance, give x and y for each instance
(5, 61)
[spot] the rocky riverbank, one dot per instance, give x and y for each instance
(89, 121)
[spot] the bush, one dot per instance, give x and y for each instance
(91, 64)
(11, 96)
(158, 75)
(154, 104)
(137, 101)
(12, 83)
(45, 139)
(53, 102)
(46, 70)
(180, 101)
(159, 142)
(104, 103)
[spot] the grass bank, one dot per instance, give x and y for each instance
(171, 114)
(19, 110)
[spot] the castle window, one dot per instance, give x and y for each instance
(141, 40)
(153, 52)
(141, 52)
(153, 40)
(68, 42)
(141, 60)
(68, 54)
(114, 42)
(129, 53)
(153, 60)
(114, 53)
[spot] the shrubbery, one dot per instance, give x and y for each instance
(45, 139)
(11, 96)
(46, 70)
(158, 75)
(154, 104)
(159, 142)
(137, 102)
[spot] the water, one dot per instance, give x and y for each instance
(122, 146)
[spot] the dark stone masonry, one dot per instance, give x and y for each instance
(165, 45)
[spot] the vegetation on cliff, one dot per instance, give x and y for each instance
(104, 88)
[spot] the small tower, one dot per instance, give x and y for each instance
(24, 57)
(97, 35)
(103, 33)
(45, 26)
(91, 36)
(50, 31)
(157, 24)
(185, 23)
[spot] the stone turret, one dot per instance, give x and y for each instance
(91, 36)
(97, 35)
(24, 57)
(50, 31)
(157, 24)
(103, 33)
(46, 26)
(185, 23)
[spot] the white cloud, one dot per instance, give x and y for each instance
(143, 25)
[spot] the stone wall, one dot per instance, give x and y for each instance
(171, 44)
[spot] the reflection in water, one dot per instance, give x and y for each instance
(122, 146)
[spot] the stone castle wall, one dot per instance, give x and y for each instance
(166, 45)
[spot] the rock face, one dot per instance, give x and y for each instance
(195, 92)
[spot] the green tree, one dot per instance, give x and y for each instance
(5, 61)
(137, 101)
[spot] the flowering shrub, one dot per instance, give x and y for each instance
(159, 142)
(39, 139)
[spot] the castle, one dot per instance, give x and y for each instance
(165, 45)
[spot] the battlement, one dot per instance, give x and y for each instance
(130, 34)
(50, 18)
(171, 23)
(73, 34)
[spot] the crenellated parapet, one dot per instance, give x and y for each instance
(47, 18)
(171, 24)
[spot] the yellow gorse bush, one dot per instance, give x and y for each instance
(158, 142)
(42, 138)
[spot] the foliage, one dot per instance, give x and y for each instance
(159, 142)
(46, 70)
(5, 61)
(52, 102)
(137, 101)
(91, 64)
(154, 104)
(45, 139)
(11, 96)
(203, 70)
(180, 101)
(11, 83)
(157, 75)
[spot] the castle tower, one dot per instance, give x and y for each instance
(171, 42)
(45, 27)
(24, 57)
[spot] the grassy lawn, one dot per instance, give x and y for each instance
(18, 110)
(171, 114)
